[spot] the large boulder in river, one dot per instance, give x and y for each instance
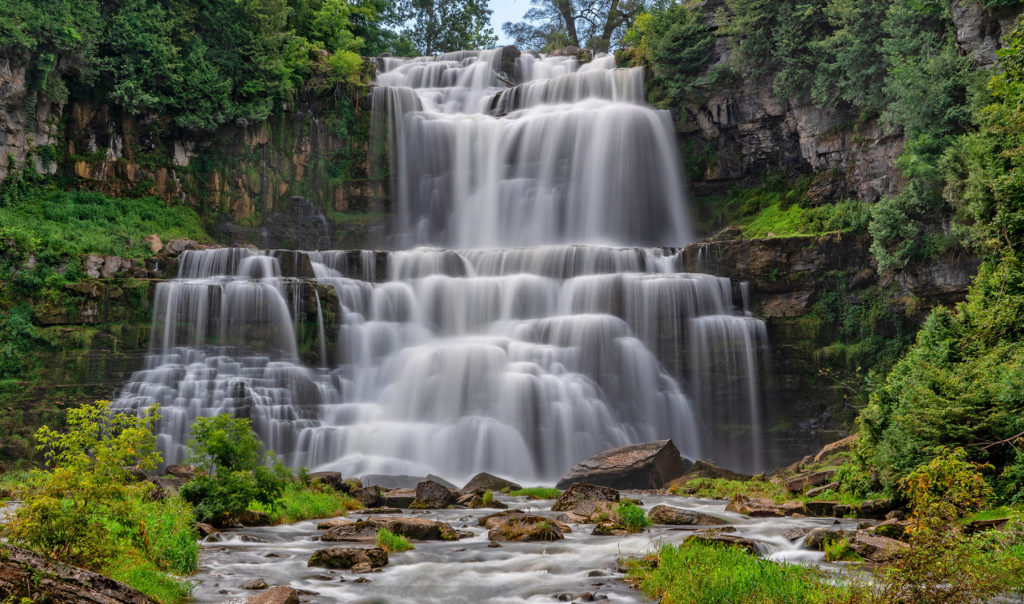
(876, 548)
(489, 482)
(420, 529)
(581, 500)
(279, 594)
(755, 507)
(644, 466)
(25, 574)
(663, 514)
(433, 496)
(347, 557)
(513, 526)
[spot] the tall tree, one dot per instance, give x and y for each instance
(597, 24)
(449, 25)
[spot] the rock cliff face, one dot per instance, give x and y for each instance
(25, 124)
(737, 130)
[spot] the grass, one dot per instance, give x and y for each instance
(10, 482)
(632, 516)
(840, 551)
(300, 502)
(704, 574)
(537, 493)
(144, 576)
(722, 488)
(487, 499)
(392, 543)
(1003, 511)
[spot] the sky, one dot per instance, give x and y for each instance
(504, 11)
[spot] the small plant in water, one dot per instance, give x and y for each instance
(632, 516)
(392, 543)
(488, 498)
(537, 493)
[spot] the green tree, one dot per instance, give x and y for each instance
(447, 25)
(596, 24)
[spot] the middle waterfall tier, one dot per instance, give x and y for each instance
(520, 362)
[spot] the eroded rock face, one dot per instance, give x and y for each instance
(348, 557)
(25, 574)
(641, 466)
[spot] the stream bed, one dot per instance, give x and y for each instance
(469, 570)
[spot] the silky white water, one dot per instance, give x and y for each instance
(534, 338)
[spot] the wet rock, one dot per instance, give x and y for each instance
(584, 500)
(795, 533)
(254, 518)
(347, 557)
(362, 567)
(489, 482)
(495, 520)
(370, 496)
(205, 530)
(817, 538)
(177, 246)
(798, 483)
(718, 530)
(841, 510)
(402, 481)
(257, 583)
(893, 529)
(333, 522)
(421, 529)
(399, 498)
(794, 508)
(663, 514)
(821, 509)
(720, 538)
(641, 466)
(609, 528)
(521, 527)
(376, 511)
(493, 544)
(25, 574)
(755, 507)
(433, 496)
(876, 548)
(279, 594)
(479, 499)
(597, 573)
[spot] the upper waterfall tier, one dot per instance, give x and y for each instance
(570, 154)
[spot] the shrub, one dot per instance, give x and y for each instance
(840, 551)
(945, 489)
(301, 502)
(392, 543)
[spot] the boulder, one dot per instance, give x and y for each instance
(841, 510)
(177, 246)
(798, 483)
(25, 574)
(821, 509)
(794, 508)
(725, 539)
(254, 518)
(433, 496)
(398, 498)
(643, 466)
(330, 479)
(893, 529)
(421, 529)
(523, 527)
(180, 471)
(832, 486)
(755, 507)
(663, 514)
(402, 481)
(582, 500)
(876, 548)
(155, 244)
(347, 557)
(875, 509)
(479, 499)
(370, 497)
(333, 522)
(705, 469)
(817, 538)
(257, 583)
(795, 533)
(205, 530)
(840, 446)
(492, 521)
(279, 594)
(489, 482)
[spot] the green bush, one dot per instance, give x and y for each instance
(537, 493)
(303, 502)
(228, 450)
(392, 543)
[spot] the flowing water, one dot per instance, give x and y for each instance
(470, 571)
(551, 322)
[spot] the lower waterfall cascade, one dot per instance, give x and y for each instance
(552, 321)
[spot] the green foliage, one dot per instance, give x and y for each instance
(632, 516)
(945, 489)
(704, 574)
(537, 493)
(841, 551)
(723, 488)
(86, 511)
(229, 451)
(448, 25)
(304, 502)
(392, 543)
(676, 42)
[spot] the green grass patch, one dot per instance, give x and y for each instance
(392, 543)
(722, 488)
(1004, 511)
(537, 493)
(698, 574)
(840, 551)
(150, 580)
(632, 516)
(300, 502)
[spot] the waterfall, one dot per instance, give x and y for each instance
(551, 321)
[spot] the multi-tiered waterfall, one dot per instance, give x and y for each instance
(533, 341)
